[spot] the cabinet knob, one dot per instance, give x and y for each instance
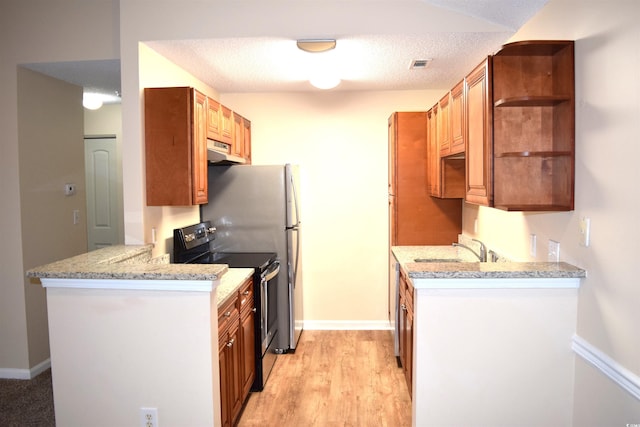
(254, 309)
(231, 341)
(227, 314)
(404, 307)
(245, 293)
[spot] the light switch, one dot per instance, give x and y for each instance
(585, 225)
(532, 245)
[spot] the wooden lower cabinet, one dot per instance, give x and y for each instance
(406, 329)
(236, 352)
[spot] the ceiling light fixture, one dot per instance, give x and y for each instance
(91, 101)
(325, 81)
(316, 45)
(322, 79)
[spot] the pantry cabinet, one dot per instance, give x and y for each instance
(534, 126)
(175, 146)
(236, 351)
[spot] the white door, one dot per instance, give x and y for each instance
(100, 158)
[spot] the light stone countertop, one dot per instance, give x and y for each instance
(470, 268)
(231, 282)
(126, 262)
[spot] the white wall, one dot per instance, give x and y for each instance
(174, 371)
(35, 31)
(340, 142)
(607, 37)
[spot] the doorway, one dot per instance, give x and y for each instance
(101, 178)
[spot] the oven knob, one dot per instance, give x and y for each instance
(189, 237)
(211, 230)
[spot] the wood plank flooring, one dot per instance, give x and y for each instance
(335, 378)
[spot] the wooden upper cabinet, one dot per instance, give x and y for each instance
(237, 146)
(226, 125)
(479, 154)
(433, 153)
(175, 146)
(213, 119)
(534, 126)
(199, 153)
(444, 125)
(457, 119)
(246, 136)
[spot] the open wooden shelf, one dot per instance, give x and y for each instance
(531, 101)
(534, 126)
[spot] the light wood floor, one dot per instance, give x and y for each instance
(335, 378)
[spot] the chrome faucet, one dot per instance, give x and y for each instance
(482, 256)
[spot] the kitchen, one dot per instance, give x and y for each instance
(608, 308)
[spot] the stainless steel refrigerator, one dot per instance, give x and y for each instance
(255, 208)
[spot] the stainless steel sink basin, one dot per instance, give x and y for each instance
(437, 260)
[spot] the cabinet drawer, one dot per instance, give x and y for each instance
(245, 296)
(228, 315)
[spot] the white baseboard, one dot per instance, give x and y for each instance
(25, 374)
(355, 325)
(615, 371)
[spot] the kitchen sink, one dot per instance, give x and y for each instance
(437, 260)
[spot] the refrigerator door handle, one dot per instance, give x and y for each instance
(294, 196)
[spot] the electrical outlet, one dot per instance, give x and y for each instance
(149, 417)
(554, 251)
(76, 216)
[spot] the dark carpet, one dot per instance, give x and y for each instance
(27, 402)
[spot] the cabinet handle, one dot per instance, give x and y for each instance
(231, 341)
(227, 314)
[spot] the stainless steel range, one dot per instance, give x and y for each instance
(191, 245)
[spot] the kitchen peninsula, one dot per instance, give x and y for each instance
(490, 343)
(128, 331)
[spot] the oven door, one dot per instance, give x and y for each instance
(269, 304)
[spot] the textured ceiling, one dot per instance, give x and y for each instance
(373, 52)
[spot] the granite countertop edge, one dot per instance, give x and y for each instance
(469, 268)
(231, 282)
(125, 262)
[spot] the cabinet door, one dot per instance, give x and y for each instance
(213, 119)
(444, 125)
(433, 153)
(248, 334)
(479, 155)
(237, 148)
(224, 385)
(234, 346)
(226, 125)
(199, 153)
(408, 365)
(175, 146)
(246, 136)
(457, 119)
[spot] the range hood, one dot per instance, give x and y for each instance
(220, 152)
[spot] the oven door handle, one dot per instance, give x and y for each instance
(271, 272)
